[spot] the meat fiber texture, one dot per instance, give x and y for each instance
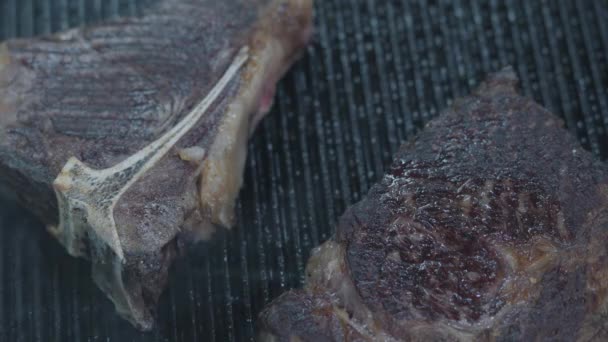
(490, 225)
(125, 135)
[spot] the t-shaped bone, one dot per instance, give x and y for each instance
(87, 197)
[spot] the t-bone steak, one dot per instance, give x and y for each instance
(123, 134)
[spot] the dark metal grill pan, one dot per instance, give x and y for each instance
(376, 72)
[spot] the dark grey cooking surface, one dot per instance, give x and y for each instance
(375, 73)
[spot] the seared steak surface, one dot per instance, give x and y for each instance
(490, 225)
(123, 135)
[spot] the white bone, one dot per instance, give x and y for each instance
(86, 197)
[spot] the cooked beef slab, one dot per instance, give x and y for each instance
(123, 135)
(491, 225)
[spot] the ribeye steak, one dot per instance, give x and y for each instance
(123, 134)
(491, 225)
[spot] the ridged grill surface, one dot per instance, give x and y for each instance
(376, 72)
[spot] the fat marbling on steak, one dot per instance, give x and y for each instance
(491, 225)
(124, 134)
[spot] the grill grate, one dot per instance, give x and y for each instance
(376, 72)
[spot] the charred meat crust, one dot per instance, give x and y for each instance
(483, 228)
(102, 93)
